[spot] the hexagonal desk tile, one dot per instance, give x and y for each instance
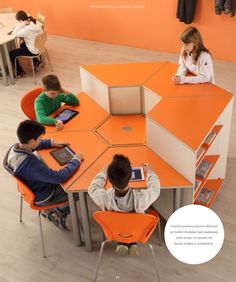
(123, 129)
(90, 115)
(168, 176)
(85, 142)
(123, 74)
(161, 83)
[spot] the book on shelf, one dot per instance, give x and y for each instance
(200, 152)
(197, 184)
(209, 138)
(203, 168)
(204, 196)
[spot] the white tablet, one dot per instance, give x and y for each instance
(137, 174)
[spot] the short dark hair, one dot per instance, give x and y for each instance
(29, 129)
(119, 171)
(51, 82)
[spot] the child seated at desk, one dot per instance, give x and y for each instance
(121, 197)
(195, 58)
(50, 100)
(44, 182)
(27, 29)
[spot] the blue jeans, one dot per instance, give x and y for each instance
(58, 196)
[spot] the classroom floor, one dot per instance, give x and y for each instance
(20, 245)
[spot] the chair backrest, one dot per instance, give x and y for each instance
(40, 42)
(29, 197)
(27, 102)
(126, 227)
(26, 193)
(41, 19)
(6, 10)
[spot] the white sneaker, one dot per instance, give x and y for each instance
(133, 250)
(122, 250)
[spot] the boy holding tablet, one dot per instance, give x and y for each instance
(50, 100)
(44, 182)
(121, 197)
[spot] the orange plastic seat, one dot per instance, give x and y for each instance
(27, 102)
(126, 228)
(28, 196)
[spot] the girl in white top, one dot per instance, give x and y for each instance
(194, 59)
(27, 29)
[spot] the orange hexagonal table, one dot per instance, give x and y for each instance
(85, 142)
(90, 115)
(123, 129)
(168, 176)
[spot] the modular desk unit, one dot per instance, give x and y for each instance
(136, 110)
(7, 23)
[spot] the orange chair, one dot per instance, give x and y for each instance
(27, 102)
(28, 196)
(126, 228)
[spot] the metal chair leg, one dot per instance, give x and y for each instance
(41, 234)
(21, 208)
(99, 259)
(32, 64)
(49, 61)
(15, 69)
(159, 231)
(155, 261)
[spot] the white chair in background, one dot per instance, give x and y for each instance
(6, 10)
(40, 42)
(41, 20)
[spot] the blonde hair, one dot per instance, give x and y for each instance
(192, 35)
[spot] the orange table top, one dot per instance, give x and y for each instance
(124, 129)
(85, 142)
(168, 176)
(90, 115)
(189, 118)
(161, 83)
(132, 74)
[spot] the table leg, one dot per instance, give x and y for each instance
(177, 198)
(12, 79)
(85, 221)
(4, 74)
(74, 219)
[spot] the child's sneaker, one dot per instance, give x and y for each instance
(133, 250)
(122, 250)
(20, 74)
(58, 220)
(38, 65)
(46, 214)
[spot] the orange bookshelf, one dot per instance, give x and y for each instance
(213, 184)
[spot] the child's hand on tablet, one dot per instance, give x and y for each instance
(176, 79)
(146, 167)
(60, 144)
(79, 156)
(59, 125)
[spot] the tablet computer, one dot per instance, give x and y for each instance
(137, 174)
(63, 155)
(66, 114)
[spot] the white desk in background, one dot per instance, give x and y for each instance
(7, 23)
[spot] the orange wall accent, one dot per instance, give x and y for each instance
(152, 26)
